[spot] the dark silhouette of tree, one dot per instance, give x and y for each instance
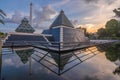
(102, 32)
(112, 29)
(117, 12)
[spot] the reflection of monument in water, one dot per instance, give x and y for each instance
(24, 54)
(53, 61)
(64, 58)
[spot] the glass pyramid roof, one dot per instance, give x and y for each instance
(25, 27)
(62, 20)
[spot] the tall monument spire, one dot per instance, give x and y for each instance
(31, 13)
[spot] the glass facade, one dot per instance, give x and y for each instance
(62, 20)
(56, 34)
(25, 38)
(25, 27)
(73, 35)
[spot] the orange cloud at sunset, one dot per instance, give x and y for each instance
(91, 28)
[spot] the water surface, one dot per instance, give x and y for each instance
(21, 64)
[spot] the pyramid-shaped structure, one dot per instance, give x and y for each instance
(62, 30)
(62, 20)
(25, 27)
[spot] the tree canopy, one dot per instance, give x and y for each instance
(102, 32)
(112, 27)
(117, 12)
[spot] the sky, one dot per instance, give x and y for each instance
(91, 14)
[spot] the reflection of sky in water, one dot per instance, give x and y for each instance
(96, 68)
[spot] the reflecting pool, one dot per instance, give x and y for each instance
(94, 63)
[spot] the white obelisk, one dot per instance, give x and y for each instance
(31, 13)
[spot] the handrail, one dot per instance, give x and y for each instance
(58, 45)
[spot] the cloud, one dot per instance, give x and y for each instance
(46, 14)
(74, 22)
(16, 17)
(109, 2)
(90, 78)
(91, 28)
(60, 3)
(91, 1)
(8, 61)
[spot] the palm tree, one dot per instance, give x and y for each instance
(2, 16)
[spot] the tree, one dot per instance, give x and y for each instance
(2, 35)
(117, 12)
(2, 16)
(102, 32)
(112, 27)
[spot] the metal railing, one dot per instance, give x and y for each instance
(60, 45)
(56, 46)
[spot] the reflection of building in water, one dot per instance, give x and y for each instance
(24, 54)
(64, 58)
